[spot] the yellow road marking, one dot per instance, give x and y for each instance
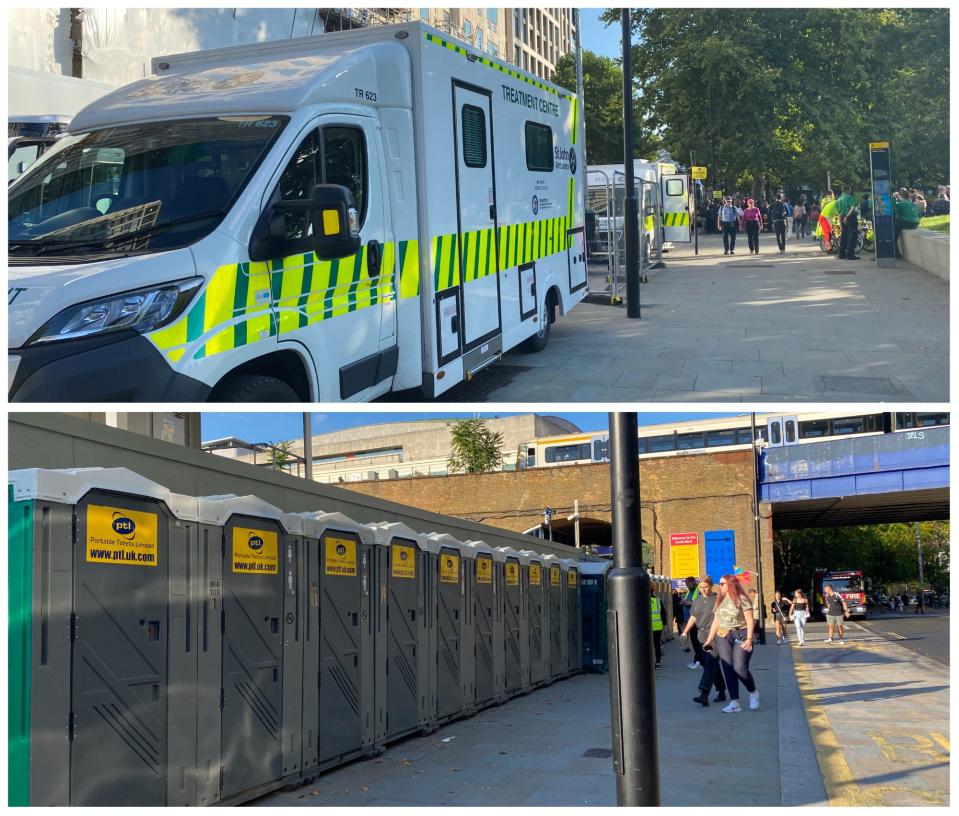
(841, 786)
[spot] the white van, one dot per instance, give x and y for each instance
(324, 218)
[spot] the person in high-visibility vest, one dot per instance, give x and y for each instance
(658, 615)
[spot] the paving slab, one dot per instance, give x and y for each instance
(818, 329)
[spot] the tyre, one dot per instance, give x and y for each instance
(253, 388)
(538, 341)
(822, 244)
(859, 242)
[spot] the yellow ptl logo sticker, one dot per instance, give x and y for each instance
(484, 570)
(449, 568)
(512, 573)
(571, 578)
(340, 556)
(554, 576)
(535, 574)
(404, 561)
(116, 535)
(255, 552)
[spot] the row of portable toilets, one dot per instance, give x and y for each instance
(174, 650)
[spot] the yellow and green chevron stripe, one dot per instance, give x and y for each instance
(676, 219)
(479, 58)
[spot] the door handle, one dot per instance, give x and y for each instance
(492, 212)
(374, 257)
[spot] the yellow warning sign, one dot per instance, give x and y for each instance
(340, 556)
(535, 574)
(116, 535)
(554, 576)
(699, 172)
(255, 551)
(449, 568)
(484, 570)
(512, 573)
(404, 561)
(878, 145)
(571, 578)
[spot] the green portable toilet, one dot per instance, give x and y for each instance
(101, 661)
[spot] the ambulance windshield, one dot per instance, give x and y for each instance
(144, 187)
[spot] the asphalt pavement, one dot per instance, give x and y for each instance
(926, 634)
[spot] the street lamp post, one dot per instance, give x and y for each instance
(548, 520)
(629, 629)
(631, 214)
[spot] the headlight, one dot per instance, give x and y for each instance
(142, 310)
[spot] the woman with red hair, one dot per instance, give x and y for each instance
(732, 630)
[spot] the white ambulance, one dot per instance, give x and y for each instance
(324, 218)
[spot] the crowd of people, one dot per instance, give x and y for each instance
(721, 625)
(735, 214)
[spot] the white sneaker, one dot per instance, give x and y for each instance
(753, 700)
(732, 708)
(828, 640)
(841, 642)
(694, 665)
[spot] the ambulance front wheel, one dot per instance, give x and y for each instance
(253, 388)
(539, 340)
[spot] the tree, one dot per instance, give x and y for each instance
(603, 111)
(778, 97)
(886, 553)
(475, 448)
(280, 455)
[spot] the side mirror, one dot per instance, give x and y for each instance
(334, 222)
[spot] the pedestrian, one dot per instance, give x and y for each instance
(789, 217)
(778, 215)
(865, 207)
(732, 632)
(757, 610)
(848, 209)
(799, 218)
(692, 629)
(659, 620)
(764, 211)
(920, 604)
(753, 220)
(905, 216)
(727, 221)
(780, 612)
(676, 610)
(692, 592)
(712, 675)
(799, 614)
(836, 612)
(812, 219)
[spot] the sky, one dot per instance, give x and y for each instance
(596, 37)
(276, 427)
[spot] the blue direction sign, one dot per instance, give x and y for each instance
(720, 548)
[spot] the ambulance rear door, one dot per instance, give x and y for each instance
(675, 195)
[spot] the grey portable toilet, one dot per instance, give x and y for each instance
(302, 638)
(453, 678)
(556, 602)
(101, 658)
(402, 681)
(515, 616)
(593, 600)
(574, 616)
(538, 605)
(259, 739)
(487, 614)
(346, 637)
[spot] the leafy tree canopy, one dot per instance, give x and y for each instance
(474, 447)
(783, 96)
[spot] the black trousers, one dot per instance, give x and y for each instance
(698, 652)
(780, 229)
(847, 245)
(658, 644)
(712, 673)
(729, 235)
(752, 235)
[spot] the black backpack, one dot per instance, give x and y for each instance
(778, 211)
